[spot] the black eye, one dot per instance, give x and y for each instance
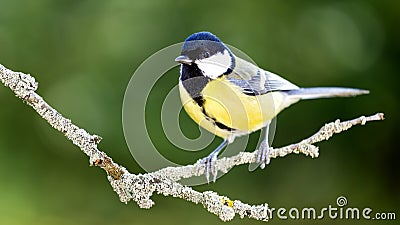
(206, 54)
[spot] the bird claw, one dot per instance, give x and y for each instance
(210, 166)
(263, 154)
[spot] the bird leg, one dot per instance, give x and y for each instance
(209, 161)
(263, 150)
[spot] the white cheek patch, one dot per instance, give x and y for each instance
(215, 65)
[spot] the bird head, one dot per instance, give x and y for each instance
(208, 53)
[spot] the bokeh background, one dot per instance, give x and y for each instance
(83, 54)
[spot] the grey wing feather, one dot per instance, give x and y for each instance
(277, 83)
(256, 81)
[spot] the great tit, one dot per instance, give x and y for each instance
(231, 97)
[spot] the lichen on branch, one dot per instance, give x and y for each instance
(140, 187)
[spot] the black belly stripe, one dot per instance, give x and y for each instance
(194, 82)
(218, 124)
(223, 126)
(199, 100)
(214, 120)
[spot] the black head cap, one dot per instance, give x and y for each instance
(202, 45)
(204, 35)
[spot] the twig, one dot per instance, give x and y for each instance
(141, 187)
(305, 147)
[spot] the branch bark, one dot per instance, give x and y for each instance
(140, 187)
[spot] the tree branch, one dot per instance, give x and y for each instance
(305, 147)
(140, 187)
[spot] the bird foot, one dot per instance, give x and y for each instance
(263, 154)
(209, 163)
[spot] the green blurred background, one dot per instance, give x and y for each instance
(83, 54)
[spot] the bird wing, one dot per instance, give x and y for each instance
(256, 81)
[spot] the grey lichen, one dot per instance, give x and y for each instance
(141, 187)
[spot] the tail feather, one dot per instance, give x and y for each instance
(325, 92)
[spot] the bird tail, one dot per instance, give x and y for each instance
(325, 92)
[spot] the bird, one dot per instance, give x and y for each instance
(230, 97)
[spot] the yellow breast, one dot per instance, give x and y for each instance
(226, 104)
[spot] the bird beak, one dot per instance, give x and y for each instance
(183, 59)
